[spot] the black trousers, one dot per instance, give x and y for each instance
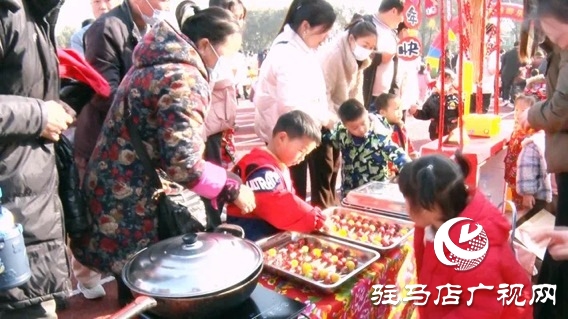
(324, 164)
(556, 272)
(486, 98)
(506, 86)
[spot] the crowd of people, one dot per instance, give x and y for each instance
(322, 107)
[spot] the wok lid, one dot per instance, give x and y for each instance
(192, 265)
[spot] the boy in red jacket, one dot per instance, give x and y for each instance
(265, 171)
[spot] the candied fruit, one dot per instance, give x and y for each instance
(306, 268)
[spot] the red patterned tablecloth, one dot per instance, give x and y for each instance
(353, 299)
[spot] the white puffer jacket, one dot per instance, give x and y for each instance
(290, 78)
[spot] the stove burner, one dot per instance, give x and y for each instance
(262, 304)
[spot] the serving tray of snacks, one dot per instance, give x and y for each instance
(323, 263)
(366, 229)
(382, 197)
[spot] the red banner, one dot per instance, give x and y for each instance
(431, 8)
(412, 14)
(409, 48)
(511, 11)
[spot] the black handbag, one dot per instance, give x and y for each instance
(175, 212)
(78, 220)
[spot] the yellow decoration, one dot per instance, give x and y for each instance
(452, 36)
(468, 79)
(434, 62)
(482, 125)
(413, 33)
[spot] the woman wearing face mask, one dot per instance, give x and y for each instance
(220, 122)
(167, 93)
(343, 62)
(345, 59)
(291, 78)
(108, 43)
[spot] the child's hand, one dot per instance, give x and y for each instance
(412, 110)
(528, 201)
(245, 201)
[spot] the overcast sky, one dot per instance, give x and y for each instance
(74, 12)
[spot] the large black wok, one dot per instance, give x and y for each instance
(194, 275)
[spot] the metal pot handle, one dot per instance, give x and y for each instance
(139, 305)
(230, 229)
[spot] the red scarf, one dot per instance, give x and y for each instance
(73, 66)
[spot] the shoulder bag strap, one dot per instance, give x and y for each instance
(139, 148)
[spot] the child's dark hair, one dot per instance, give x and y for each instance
(298, 124)
(388, 5)
(535, 72)
(436, 180)
(351, 110)
(529, 99)
(382, 101)
(360, 26)
(315, 12)
(401, 27)
(422, 68)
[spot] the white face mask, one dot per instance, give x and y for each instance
(158, 16)
(361, 53)
(213, 71)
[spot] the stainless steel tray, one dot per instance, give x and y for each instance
(401, 215)
(351, 215)
(378, 196)
(364, 257)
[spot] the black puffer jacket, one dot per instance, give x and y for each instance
(28, 176)
(109, 43)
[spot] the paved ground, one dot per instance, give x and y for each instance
(491, 183)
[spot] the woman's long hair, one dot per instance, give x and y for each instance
(315, 12)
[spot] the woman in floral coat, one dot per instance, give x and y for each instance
(168, 93)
